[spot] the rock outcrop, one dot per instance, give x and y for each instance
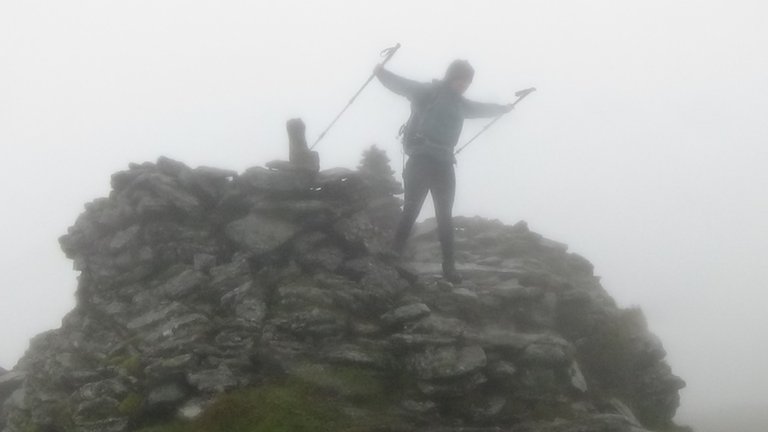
(199, 283)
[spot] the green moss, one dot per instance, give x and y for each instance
(130, 363)
(550, 410)
(24, 424)
(314, 398)
(29, 427)
(131, 405)
(345, 381)
(173, 427)
(58, 412)
(291, 406)
(62, 413)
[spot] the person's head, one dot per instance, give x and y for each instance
(459, 76)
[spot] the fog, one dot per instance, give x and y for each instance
(645, 147)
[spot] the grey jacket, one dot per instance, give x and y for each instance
(437, 115)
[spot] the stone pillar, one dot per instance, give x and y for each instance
(300, 155)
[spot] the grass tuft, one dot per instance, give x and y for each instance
(285, 407)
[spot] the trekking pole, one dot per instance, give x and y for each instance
(520, 96)
(387, 53)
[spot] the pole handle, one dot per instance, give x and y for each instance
(389, 52)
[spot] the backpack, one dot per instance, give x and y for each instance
(419, 107)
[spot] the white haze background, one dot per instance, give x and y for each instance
(645, 148)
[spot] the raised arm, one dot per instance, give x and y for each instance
(398, 84)
(474, 109)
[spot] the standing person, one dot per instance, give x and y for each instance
(438, 110)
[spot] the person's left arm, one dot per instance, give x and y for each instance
(474, 109)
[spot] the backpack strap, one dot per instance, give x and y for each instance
(422, 106)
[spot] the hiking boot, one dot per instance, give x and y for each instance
(450, 274)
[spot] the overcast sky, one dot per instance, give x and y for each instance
(645, 148)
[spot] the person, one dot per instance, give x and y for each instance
(438, 110)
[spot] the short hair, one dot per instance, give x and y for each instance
(459, 69)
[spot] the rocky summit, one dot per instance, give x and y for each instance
(211, 300)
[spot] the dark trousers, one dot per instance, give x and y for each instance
(424, 174)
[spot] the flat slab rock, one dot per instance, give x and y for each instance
(468, 269)
(407, 313)
(261, 234)
(447, 362)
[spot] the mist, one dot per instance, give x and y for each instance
(644, 148)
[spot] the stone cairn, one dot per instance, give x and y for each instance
(195, 282)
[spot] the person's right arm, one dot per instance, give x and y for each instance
(398, 84)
